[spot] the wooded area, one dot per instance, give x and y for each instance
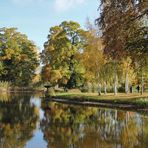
(108, 57)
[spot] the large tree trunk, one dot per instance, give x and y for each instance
(126, 83)
(99, 89)
(105, 89)
(115, 78)
(142, 84)
(115, 85)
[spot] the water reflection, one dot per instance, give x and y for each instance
(18, 119)
(24, 122)
(84, 127)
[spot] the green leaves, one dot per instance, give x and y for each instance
(61, 49)
(19, 57)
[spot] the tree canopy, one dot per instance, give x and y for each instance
(18, 57)
(60, 53)
(124, 29)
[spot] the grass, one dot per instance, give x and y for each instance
(135, 99)
(142, 101)
(109, 96)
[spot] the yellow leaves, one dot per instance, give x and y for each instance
(51, 75)
(36, 111)
(127, 68)
(126, 63)
(55, 76)
(8, 54)
(93, 60)
(46, 72)
(50, 48)
(36, 78)
(89, 76)
(24, 57)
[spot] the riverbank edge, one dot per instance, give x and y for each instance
(139, 103)
(19, 89)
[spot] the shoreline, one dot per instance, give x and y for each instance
(19, 90)
(137, 103)
(112, 105)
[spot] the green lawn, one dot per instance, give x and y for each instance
(109, 96)
(133, 98)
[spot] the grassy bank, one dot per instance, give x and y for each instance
(109, 96)
(20, 89)
(133, 101)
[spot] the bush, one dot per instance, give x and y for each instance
(94, 87)
(74, 91)
(5, 84)
(50, 92)
(87, 87)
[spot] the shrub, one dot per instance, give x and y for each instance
(5, 84)
(87, 87)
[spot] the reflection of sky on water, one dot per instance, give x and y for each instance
(37, 141)
(37, 102)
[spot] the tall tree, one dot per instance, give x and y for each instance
(61, 50)
(137, 46)
(120, 21)
(18, 57)
(92, 56)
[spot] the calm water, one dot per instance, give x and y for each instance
(26, 121)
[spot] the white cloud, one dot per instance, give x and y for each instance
(64, 5)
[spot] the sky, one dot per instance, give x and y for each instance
(35, 17)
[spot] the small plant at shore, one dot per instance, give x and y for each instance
(142, 101)
(4, 84)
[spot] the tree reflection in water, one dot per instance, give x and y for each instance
(18, 118)
(67, 126)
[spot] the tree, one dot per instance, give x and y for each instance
(128, 73)
(137, 46)
(18, 56)
(92, 56)
(120, 21)
(61, 51)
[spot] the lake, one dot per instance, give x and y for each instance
(28, 121)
